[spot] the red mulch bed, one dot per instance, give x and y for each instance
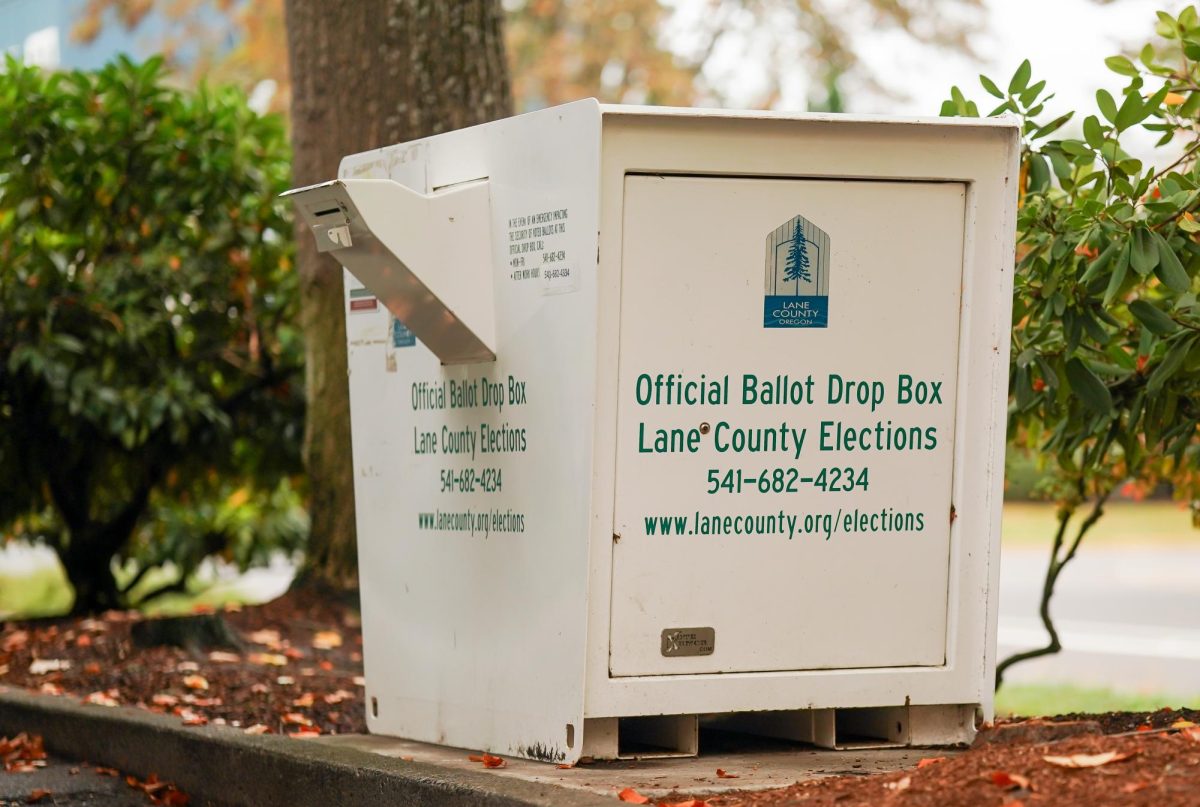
(1162, 769)
(298, 672)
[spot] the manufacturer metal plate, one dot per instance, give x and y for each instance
(688, 641)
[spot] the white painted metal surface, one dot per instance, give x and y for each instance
(518, 593)
(896, 255)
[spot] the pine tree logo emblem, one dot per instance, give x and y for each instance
(796, 267)
(797, 276)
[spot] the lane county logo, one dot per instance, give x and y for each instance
(797, 276)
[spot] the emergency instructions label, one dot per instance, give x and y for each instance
(538, 252)
(463, 431)
(810, 464)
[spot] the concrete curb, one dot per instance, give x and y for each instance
(221, 765)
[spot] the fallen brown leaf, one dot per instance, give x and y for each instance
(1009, 781)
(106, 698)
(303, 733)
(41, 666)
(296, 719)
(266, 637)
(191, 718)
(15, 641)
(192, 700)
(1088, 760)
(257, 728)
(632, 796)
(488, 760)
(927, 761)
(41, 794)
(327, 640)
(24, 753)
(198, 682)
(724, 774)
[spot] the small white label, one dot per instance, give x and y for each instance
(340, 236)
(538, 253)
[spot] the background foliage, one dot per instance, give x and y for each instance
(1105, 377)
(150, 381)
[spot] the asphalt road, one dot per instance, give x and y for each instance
(1129, 618)
(83, 787)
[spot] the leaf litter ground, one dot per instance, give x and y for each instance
(298, 671)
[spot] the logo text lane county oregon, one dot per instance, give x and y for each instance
(797, 276)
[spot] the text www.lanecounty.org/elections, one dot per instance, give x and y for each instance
(788, 525)
(481, 522)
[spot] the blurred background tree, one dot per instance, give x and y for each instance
(417, 67)
(620, 51)
(150, 384)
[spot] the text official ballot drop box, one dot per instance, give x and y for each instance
(668, 417)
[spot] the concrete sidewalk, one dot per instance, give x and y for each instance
(755, 763)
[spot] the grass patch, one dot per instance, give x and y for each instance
(44, 591)
(41, 592)
(1031, 700)
(1123, 524)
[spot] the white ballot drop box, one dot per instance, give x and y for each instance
(669, 418)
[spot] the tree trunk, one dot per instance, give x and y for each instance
(87, 562)
(364, 75)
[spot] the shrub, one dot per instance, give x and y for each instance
(147, 364)
(1105, 373)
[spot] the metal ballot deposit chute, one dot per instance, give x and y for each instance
(668, 417)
